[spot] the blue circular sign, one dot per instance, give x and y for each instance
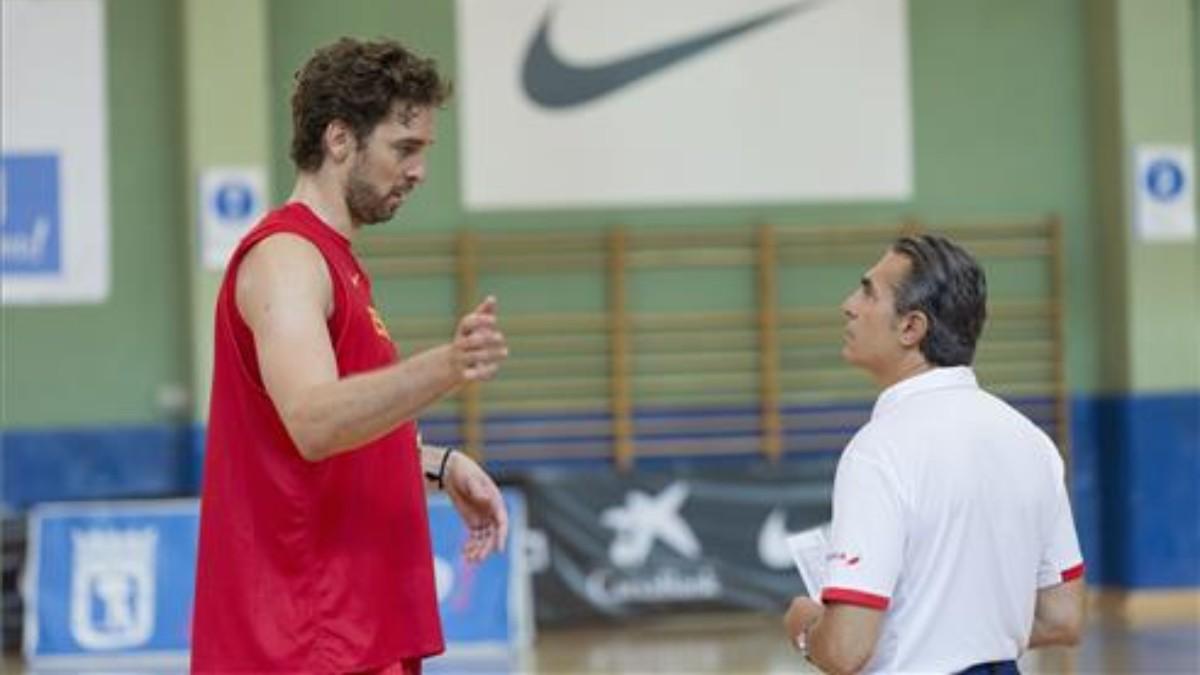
(1164, 179)
(234, 201)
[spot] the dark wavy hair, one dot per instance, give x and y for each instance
(947, 284)
(357, 82)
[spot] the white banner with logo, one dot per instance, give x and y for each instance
(567, 103)
(54, 187)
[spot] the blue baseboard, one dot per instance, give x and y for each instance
(1136, 488)
(111, 462)
(1135, 478)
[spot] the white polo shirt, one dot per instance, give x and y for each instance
(949, 512)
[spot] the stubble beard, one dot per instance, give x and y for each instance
(365, 205)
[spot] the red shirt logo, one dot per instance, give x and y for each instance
(844, 558)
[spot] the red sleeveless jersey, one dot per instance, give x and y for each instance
(308, 567)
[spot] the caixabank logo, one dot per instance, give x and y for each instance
(654, 554)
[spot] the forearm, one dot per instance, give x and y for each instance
(1057, 631)
(1046, 634)
(837, 638)
(831, 651)
(1058, 616)
(339, 416)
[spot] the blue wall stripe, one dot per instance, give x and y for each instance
(1136, 487)
(92, 463)
(1135, 475)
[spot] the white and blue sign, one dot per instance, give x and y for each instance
(1165, 203)
(30, 214)
(485, 605)
(54, 187)
(232, 199)
(111, 584)
(113, 581)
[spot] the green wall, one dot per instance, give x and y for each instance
(297, 28)
(224, 61)
(1143, 75)
(1000, 132)
(1003, 97)
(112, 362)
(1157, 107)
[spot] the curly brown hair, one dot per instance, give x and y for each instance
(357, 82)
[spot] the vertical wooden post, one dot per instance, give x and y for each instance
(768, 345)
(468, 291)
(618, 341)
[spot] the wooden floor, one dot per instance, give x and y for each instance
(753, 644)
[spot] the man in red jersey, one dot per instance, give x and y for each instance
(315, 550)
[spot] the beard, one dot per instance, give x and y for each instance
(365, 204)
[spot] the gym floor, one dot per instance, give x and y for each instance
(754, 644)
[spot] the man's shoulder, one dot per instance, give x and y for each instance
(278, 262)
(1008, 413)
(872, 441)
(278, 251)
(284, 219)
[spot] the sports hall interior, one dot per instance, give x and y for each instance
(693, 339)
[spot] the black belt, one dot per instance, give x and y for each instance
(992, 668)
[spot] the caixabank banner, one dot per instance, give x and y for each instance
(111, 584)
(609, 545)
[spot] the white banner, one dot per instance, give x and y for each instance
(54, 188)
(567, 103)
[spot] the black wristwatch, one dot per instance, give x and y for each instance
(440, 476)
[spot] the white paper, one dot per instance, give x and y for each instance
(809, 549)
(232, 200)
(1165, 204)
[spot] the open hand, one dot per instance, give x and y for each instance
(478, 502)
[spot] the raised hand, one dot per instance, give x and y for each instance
(479, 347)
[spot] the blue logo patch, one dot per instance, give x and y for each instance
(234, 202)
(30, 215)
(1164, 180)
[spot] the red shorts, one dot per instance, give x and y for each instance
(405, 667)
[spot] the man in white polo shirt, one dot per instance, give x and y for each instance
(953, 548)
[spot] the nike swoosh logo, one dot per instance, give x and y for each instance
(772, 542)
(551, 82)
